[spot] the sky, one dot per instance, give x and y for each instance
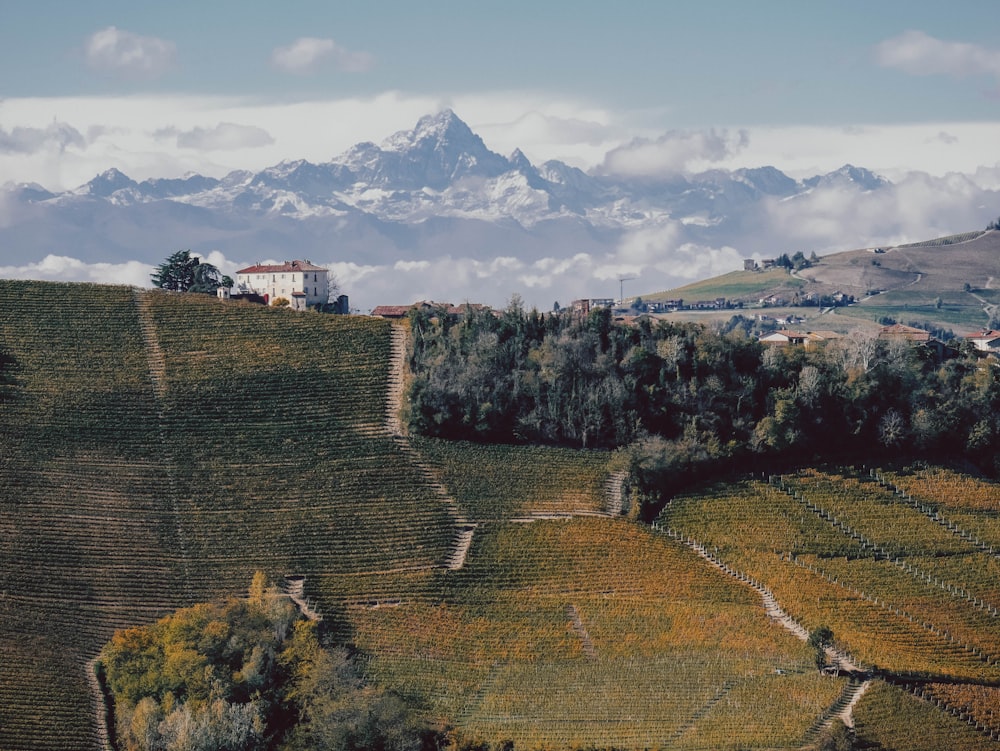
(162, 89)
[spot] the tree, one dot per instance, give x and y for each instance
(183, 272)
(819, 639)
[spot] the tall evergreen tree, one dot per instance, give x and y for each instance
(183, 272)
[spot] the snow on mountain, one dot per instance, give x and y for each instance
(848, 176)
(442, 168)
(436, 191)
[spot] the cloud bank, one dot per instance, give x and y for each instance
(673, 152)
(920, 54)
(306, 54)
(127, 54)
(222, 137)
(654, 257)
(56, 136)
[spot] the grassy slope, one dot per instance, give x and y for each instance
(912, 278)
(259, 445)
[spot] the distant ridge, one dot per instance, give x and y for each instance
(434, 190)
(952, 282)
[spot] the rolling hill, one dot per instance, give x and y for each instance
(159, 448)
(906, 283)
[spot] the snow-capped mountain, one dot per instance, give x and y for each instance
(436, 191)
(442, 169)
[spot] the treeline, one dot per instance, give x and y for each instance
(249, 675)
(689, 399)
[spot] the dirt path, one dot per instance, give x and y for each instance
(295, 587)
(614, 501)
(158, 377)
(581, 631)
(846, 715)
(397, 369)
(100, 705)
(464, 530)
(154, 355)
(844, 706)
(771, 606)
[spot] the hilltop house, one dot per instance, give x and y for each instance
(807, 339)
(300, 282)
(899, 332)
(987, 340)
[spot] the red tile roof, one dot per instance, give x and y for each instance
(279, 268)
(899, 331)
(391, 311)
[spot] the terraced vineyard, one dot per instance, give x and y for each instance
(157, 449)
(910, 594)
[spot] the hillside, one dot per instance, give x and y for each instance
(160, 448)
(903, 282)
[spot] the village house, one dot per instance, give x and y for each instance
(807, 339)
(585, 306)
(301, 283)
(784, 338)
(899, 332)
(987, 340)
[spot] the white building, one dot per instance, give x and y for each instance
(986, 340)
(299, 282)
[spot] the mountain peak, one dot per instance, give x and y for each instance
(440, 149)
(440, 128)
(849, 174)
(108, 182)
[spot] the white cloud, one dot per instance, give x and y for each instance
(222, 137)
(27, 140)
(306, 54)
(68, 269)
(673, 152)
(918, 207)
(129, 54)
(920, 54)
(943, 137)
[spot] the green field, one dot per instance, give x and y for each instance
(160, 448)
(735, 285)
(906, 281)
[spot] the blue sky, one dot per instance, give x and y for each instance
(811, 85)
(909, 89)
(706, 63)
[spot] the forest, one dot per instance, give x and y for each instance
(687, 399)
(250, 674)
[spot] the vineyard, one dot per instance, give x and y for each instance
(157, 449)
(882, 560)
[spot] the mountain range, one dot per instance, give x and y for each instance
(387, 212)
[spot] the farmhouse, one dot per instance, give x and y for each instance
(586, 305)
(899, 332)
(300, 282)
(784, 338)
(808, 339)
(987, 340)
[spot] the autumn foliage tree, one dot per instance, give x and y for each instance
(247, 675)
(689, 399)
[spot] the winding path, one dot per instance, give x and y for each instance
(464, 529)
(157, 364)
(774, 611)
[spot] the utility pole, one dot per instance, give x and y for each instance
(621, 288)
